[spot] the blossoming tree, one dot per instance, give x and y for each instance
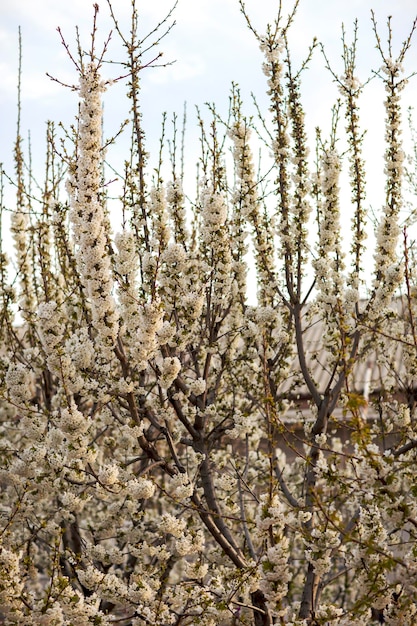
(159, 463)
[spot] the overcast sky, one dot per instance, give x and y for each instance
(211, 47)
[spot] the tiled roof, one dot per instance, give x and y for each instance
(370, 370)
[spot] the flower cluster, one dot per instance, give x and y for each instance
(87, 213)
(215, 241)
(275, 575)
(247, 208)
(19, 383)
(387, 270)
(170, 369)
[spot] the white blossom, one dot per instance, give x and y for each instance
(141, 488)
(170, 369)
(87, 214)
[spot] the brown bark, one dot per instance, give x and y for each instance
(261, 613)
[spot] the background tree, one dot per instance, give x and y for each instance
(170, 454)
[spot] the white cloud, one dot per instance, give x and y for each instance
(8, 84)
(182, 69)
(47, 15)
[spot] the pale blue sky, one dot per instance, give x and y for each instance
(212, 47)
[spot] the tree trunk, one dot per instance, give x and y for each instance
(261, 612)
